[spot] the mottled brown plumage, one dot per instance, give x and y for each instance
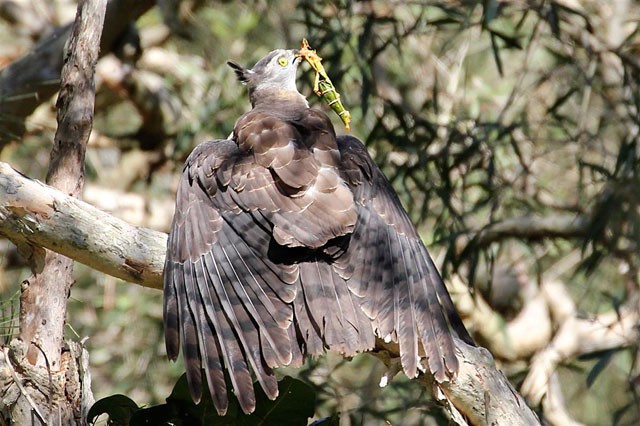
(288, 241)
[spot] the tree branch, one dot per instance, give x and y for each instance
(35, 214)
(479, 392)
(40, 215)
(534, 227)
(578, 336)
(518, 338)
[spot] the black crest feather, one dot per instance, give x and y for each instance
(241, 73)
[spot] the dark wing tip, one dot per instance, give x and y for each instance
(172, 347)
(171, 336)
(171, 326)
(247, 401)
(196, 392)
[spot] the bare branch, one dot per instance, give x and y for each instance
(578, 336)
(34, 213)
(534, 227)
(479, 391)
(519, 338)
(554, 405)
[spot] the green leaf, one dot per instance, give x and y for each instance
(599, 367)
(327, 421)
(119, 408)
(295, 404)
(561, 100)
(619, 413)
(490, 11)
(496, 54)
(293, 407)
(181, 410)
(510, 42)
(553, 20)
(443, 21)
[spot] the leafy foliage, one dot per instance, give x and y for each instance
(293, 407)
(119, 408)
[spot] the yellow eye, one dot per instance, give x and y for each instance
(282, 60)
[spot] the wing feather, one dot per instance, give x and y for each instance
(229, 332)
(248, 333)
(252, 297)
(385, 291)
(402, 290)
(170, 312)
(443, 335)
(287, 241)
(406, 326)
(209, 346)
(224, 303)
(425, 317)
(307, 329)
(190, 348)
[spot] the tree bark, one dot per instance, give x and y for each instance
(33, 213)
(43, 303)
(478, 395)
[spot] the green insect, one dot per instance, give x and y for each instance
(322, 85)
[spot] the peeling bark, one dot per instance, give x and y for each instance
(53, 390)
(478, 395)
(34, 214)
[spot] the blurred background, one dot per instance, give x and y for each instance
(509, 130)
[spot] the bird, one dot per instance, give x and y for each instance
(288, 241)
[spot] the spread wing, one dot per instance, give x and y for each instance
(387, 265)
(223, 315)
(241, 251)
(287, 242)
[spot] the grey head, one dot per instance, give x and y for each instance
(272, 76)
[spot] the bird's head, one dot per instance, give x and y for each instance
(275, 73)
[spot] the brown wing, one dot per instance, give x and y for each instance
(388, 266)
(241, 250)
(314, 234)
(224, 313)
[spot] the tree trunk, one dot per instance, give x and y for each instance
(46, 370)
